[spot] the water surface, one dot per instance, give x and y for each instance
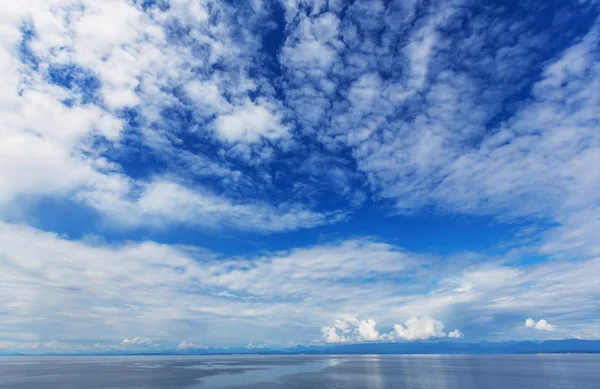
(565, 371)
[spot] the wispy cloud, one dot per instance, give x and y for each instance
(540, 325)
(62, 289)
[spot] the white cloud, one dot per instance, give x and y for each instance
(367, 331)
(161, 202)
(56, 149)
(419, 329)
(418, 51)
(455, 334)
(312, 50)
(346, 331)
(330, 335)
(45, 148)
(541, 325)
(249, 123)
(79, 288)
(136, 342)
(115, 290)
(207, 97)
(422, 116)
(334, 83)
(294, 273)
(456, 147)
(415, 328)
(534, 164)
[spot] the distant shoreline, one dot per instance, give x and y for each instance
(566, 346)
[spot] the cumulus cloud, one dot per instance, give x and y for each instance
(136, 342)
(456, 334)
(350, 330)
(541, 325)
(250, 123)
(420, 328)
(330, 335)
(415, 328)
(367, 331)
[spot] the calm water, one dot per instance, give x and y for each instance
(304, 372)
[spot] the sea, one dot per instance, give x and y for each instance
(539, 371)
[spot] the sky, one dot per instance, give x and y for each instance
(179, 174)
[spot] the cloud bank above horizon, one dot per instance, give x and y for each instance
(193, 173)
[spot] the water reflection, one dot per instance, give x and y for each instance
(454, 371)
(377, 381)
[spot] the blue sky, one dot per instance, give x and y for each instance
(193, 173)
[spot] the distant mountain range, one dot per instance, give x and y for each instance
(511, 347)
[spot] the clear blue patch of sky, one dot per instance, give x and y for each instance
(76, 78)
(26, 55)
(148, 5)
(434, 233)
